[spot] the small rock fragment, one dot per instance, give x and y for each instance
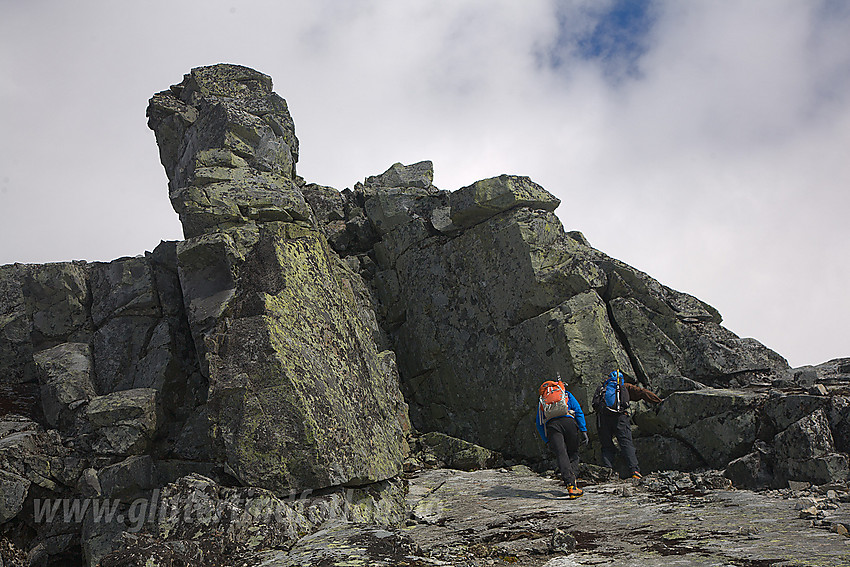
(562, 541)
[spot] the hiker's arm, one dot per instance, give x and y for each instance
(578, 414)
(637, 393)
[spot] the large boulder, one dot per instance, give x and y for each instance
(66, 374)
(127, 479)
(32, 462)
(752, 471)
(720, 425)
(41, 306)
(228, 146)
(678, 338)
(805, 451)
(398, 175)
(299, 396)
(781, 410)
(492, 310)
(458, 454)
(13, 493)
(482, 289)
(489, 197)
(125, 422)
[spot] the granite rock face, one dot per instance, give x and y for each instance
(482, 289)
(228, 146)
(299, 395)
(302, 349)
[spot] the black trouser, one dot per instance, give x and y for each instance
(563, 441)
(617, 425)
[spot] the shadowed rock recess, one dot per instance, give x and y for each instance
(314, 376)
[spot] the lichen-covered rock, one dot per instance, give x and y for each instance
(459, 454)
(683, 409)
(58, 297)
(125, 421)
(489, 197)
(806, 438)
(31, 453)
(327, 203)
(228, 146)
(392, 208)
(347, 543)
(720, 425)
(298, 397)
(40, 306)
(677, 338)
(752, 471)
(128, 479)
(782, 410)
(13, 492)
(490, 311)
(197, 517)
(419, 175)
(66, 375)
(805, 451)
(721, 438)
(716, 355)
(824, 469)
(123, 287)
(483, 289)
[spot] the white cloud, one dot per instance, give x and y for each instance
(713, 160)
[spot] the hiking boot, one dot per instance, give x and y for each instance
(636, 475)
(574, 492)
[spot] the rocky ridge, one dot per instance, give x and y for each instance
(304, 351)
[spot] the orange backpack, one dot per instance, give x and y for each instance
(553, 400)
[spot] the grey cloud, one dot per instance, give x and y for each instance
(714, 163)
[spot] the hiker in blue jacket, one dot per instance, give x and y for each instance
(563, 435)
(611, 404)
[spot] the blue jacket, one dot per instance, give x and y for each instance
(573, 405)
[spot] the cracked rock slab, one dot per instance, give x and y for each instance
(471, 518)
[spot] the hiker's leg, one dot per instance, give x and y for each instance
(627, 446)
(606, 438)
(557, 442)
(571, 441)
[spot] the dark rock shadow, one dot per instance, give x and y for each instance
(501, 491)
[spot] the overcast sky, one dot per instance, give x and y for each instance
(703, 142)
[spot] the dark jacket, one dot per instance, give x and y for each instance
(629, 392)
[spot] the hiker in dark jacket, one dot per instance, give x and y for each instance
(563, 435)
(612, 418)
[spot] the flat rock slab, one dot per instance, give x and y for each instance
(491, 517)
